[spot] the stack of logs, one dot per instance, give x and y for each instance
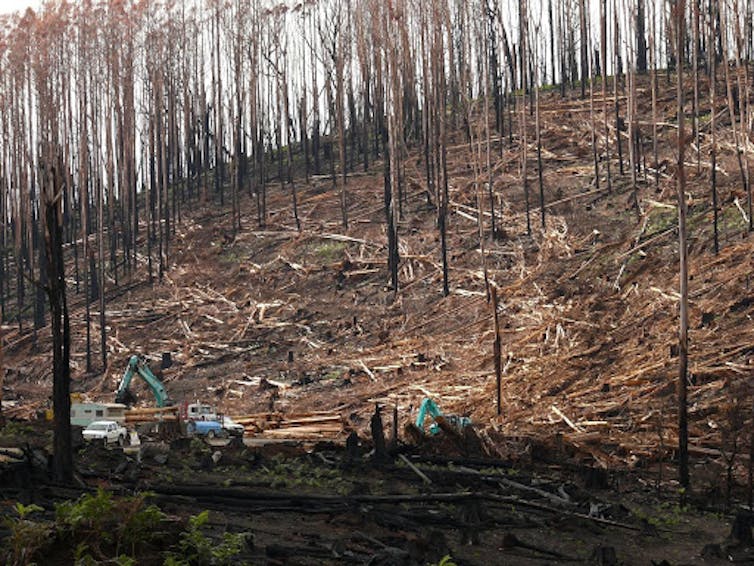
(139, 415)
(319, 425)
(24, 412)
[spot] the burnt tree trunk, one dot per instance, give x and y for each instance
(713, 131)
(683, 430)
(61, 398)
(641, 38)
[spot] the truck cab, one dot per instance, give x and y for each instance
(207, 429)
(107, 432)
(198, 412)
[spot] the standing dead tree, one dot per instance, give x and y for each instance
(633, 126)
(713, 125)
(617, 65)
(387, 95)
(603, 57)
(53, 196)
(683, 340)
(739, 130)
(524, 73)
(538, 133)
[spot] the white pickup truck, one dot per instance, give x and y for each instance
(106, 432)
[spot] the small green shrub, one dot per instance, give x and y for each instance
(103, 525)
(329, 252)
(26, 537)
(197, 549)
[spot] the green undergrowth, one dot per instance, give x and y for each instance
(101, 528)
(280, 472)
(664, 516)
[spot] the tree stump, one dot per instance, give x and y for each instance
(741, 528)
(378, 436)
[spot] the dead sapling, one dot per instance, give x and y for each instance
(730, 442)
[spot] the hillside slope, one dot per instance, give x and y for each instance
(588, 305)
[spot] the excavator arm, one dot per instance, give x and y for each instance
(138, 366)
(429, 408)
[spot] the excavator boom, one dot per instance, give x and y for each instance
(138, 366)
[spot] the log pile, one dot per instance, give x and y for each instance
(21, 412)
(313, 425)
(156, 414)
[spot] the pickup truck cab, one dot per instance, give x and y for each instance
(207, 429)
(106, 432)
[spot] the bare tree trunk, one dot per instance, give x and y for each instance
(219, 134)
(742, 82)
(523, 23)
(441, 89)
(641, 39)
(477, 143)
(632, 130)
(539, 150)
(653, 88)
(340, 62)
(713, 129)
(491, 78)
(723, 32)
(497, 353)
(603, 54)
(584, 47)
(61, 397)
(101, 274)
(695, 69)
(616, 77)
(553, 64)
(683, 430)
(593, 122)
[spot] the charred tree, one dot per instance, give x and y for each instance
(54, 193)
(641, 38)
(683, 430)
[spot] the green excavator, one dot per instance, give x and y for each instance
(138, 366)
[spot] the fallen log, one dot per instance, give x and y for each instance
(301, 431)
(246, 495)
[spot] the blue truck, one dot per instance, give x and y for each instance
(207, 429)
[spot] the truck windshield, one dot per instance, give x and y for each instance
(97, 426)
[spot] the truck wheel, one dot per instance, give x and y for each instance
(211, 435)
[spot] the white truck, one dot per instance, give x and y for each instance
(107, 432)
(232, 427)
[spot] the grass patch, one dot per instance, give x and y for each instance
(329, 251)
(660, 219)
(232, 255)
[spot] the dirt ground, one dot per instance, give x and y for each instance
(273, 319)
